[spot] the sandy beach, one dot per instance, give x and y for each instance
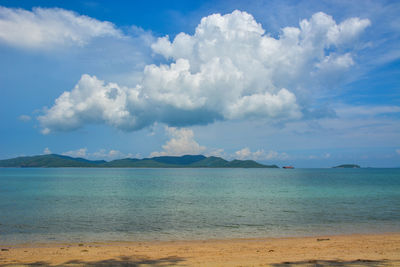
(341, 250)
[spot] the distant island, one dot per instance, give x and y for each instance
(347, 166)
(187, 161)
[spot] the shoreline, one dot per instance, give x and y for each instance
(192, 240)
(373, 249)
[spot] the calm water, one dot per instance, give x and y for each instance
(142, 204)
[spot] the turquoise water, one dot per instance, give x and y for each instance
(166, 204)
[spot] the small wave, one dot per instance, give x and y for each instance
(227, 225)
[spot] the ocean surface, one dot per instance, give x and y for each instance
(68, 204)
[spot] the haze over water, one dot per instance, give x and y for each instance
(167, 204)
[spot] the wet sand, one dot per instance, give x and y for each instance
(341, 250)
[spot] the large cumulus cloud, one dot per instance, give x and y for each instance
(230, 68)
(182, 142)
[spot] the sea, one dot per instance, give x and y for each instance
(95, 204)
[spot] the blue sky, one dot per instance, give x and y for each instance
(305, 83)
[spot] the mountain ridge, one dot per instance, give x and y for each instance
(185, 161)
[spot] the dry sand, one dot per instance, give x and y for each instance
(344, 250)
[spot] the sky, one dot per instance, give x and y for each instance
(302, 83)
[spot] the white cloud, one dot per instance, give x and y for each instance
(260, 154)
(322, 27)
(275, 155)
(228, 69)
(356, 111)
(92, 100)
(111, 154)
(217, 153)
(44, 28)
(24, 118)
(244, 153)
(46, 151)
(101, 154)
(79, 153)
(181, 143)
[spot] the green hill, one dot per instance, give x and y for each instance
(136, 163)
(248, 164)
(347, 166)
(52, 160)
(210, 162)
(183, 160)
(187, 161)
